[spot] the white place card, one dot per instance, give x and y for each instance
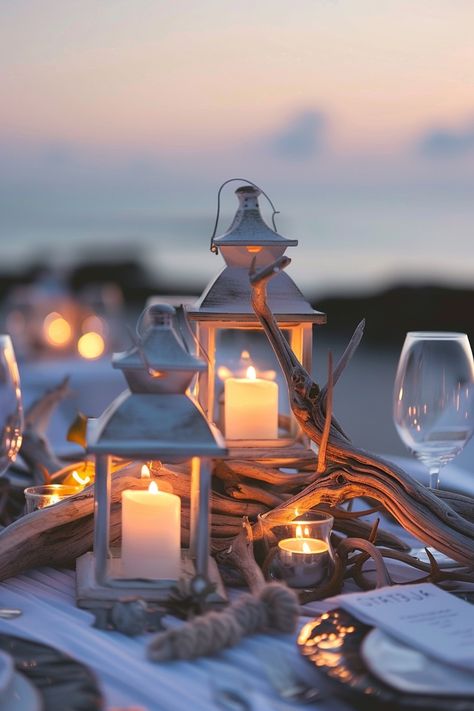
(421, 615)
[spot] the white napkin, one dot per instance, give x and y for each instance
(422, 616)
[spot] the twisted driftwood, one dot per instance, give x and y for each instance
(59, 534)
(346, 472)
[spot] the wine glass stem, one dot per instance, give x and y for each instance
(434, 477)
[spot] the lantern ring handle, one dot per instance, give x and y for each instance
(213, 247)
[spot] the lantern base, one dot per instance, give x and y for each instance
(93, 596)
(283, 448)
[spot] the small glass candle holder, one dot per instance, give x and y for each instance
(38, 497)
(299, 552)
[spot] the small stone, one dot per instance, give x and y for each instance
(130, 616)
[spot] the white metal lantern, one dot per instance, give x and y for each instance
(154, 419)
(225, 321)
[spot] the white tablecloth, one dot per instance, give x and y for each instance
(46, 597)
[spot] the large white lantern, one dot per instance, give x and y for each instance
(239, 390)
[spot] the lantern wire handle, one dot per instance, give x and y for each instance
(213, 247)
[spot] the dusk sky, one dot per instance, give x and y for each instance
(179, 76)
(162, 101)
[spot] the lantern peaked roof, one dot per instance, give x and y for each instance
(228, 298)
(250, 243)
(155, 426)
(248, 227)
(155, 417)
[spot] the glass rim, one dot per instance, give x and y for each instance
(437, 335)
(46, 489)
(313, 517)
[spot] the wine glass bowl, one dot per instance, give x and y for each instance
(11, 411)
(434, 397)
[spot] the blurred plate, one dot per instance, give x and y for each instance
(6, 672)
(63, 683)
(409, 670)
(21, 696)
(332, 643)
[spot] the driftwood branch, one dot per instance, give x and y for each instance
(58, 534)
(350, 472)
(35, 449)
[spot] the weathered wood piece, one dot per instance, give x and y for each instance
(35, 449)
(57, 535)
(350, 472)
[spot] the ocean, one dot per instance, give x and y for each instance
(348, 241)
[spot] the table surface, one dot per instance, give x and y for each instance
(47, 598)
(50, 615)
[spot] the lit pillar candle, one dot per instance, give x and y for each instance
(151, 546)
(251, 407)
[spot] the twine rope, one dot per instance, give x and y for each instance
(274, 609)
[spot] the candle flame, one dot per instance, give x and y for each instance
(79, 479)
(145, 473)
(251, 373)
(306, 531)
(299, 532)
(153, 488)
(306, 548)
(245, 355)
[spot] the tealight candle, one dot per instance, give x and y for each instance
(303, 561)
(251, 407)
(151, 531)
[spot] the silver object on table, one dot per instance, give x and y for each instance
(285, 680)
(231, 699)
(9, 613)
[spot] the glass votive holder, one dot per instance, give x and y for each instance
(298, 552)
(38, 497)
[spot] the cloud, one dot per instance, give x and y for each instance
(447, 143)
(302, 138)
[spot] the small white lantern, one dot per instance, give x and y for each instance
(154, 419)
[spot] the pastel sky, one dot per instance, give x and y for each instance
(185, 76)
(114, 113)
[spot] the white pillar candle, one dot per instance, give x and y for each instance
(251, 407)
(151, 528)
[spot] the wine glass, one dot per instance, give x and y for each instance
(433, 403)
(11, 410)
(11, 421)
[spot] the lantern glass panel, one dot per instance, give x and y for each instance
(237, 350)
